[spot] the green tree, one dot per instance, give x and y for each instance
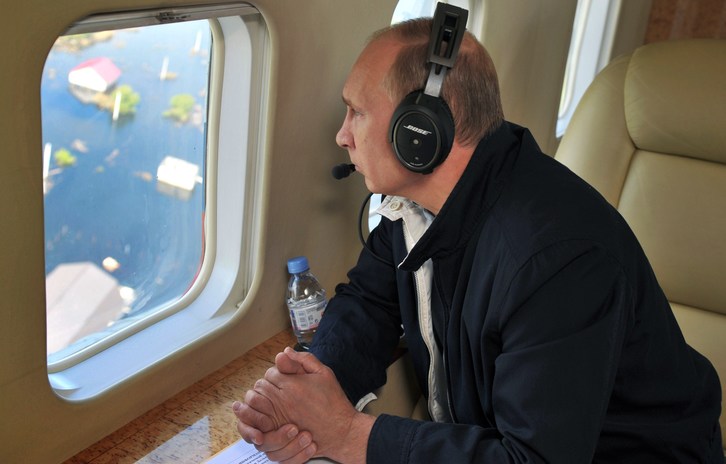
(129, 99)
(127, 105)
(64, 158)
(180, 107)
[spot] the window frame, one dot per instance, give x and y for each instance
(591, 46)
(239, 73)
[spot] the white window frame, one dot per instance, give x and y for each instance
(593, 34)
(236, 120)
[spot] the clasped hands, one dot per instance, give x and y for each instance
(299, 411)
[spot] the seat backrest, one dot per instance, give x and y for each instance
(650, 135)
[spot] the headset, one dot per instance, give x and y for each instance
(422, 127)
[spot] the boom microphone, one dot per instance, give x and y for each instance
(341, 171)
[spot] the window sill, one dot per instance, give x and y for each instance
(194, 424)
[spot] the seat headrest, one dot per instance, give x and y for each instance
(661, 116)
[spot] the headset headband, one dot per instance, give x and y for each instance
(446, 34)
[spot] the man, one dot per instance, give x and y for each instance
(537, 329)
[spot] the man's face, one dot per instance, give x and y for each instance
(364, 132)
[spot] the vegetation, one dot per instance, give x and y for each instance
(64, 158)
(127, 105)
(77, 42)
(181, 106)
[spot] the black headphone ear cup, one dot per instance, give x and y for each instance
(421, 132)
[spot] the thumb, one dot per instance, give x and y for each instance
(286, 365)
(309, 363)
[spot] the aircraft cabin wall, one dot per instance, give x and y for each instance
(295, 205)
(312, 45)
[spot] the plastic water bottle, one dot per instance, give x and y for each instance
(305, 299)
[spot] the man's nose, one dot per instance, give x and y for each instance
(343, 138)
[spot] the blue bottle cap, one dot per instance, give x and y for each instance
(297, 264)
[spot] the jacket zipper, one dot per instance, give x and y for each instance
(452, 413)
(424, 316)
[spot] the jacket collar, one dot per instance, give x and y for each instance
(476, 191)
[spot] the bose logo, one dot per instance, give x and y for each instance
(416, 129)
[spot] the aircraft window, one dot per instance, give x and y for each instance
(590, 49)
(139, 137)
(124, 131)
(409, 9)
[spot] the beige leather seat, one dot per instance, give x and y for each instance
(650, 135)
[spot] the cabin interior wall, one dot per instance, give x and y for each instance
(37, 426)
(313, 44)
(530, 55)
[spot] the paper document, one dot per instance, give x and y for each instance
(243, 453)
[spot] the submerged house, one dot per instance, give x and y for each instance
(93, 76)
(82, 299)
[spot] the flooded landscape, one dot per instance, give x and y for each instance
(124, 139)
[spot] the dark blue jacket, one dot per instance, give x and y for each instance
(559, 345)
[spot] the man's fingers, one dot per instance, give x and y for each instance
(284, 444)
(278, 439)
(259, 402)
(253, 417)
(249, 433)
(297, 451)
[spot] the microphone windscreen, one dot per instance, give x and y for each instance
(341, 171)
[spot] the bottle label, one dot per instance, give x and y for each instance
(308, 317)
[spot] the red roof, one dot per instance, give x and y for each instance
(103, 66)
